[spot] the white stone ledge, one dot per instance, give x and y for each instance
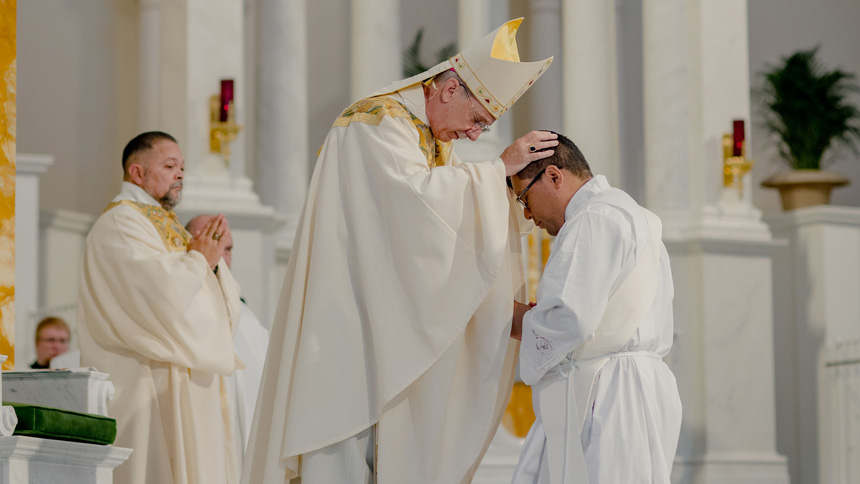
(820, 214)
(30, 164)
(81, 390)
(724, 246)
(61, 452)
(66, 220)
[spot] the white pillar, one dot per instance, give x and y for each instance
(202, 43)
(149, 64)
(546, 106)
(214, 43)
(695, 82)
(667, 98)
(282, 107)
(28, 168)
(475, 21)
(186, 48)
(375, 46)
(590, 84)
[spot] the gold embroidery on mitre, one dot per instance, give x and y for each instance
(172, 233)
(372, 110)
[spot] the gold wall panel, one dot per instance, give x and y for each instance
(8, 21)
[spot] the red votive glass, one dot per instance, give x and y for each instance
(738, 137)
(226, 99)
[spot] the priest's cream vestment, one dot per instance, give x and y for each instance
(159, 321)
(397, 304)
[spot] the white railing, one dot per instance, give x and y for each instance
(841, 450)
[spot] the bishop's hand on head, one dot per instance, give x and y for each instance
(531, 147)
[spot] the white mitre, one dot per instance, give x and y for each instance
(491, 68)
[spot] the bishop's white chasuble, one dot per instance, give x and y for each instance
(397, 304)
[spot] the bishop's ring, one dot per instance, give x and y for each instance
(216, 236)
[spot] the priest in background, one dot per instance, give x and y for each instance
(157, 311)
(390, 358)
(250, 340)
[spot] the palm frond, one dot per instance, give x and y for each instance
(412, 63)
(807, 107)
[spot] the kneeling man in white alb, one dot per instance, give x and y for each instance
(607, 405)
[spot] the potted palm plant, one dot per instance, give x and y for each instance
(807, 108)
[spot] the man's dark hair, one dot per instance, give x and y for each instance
(143, 142)
(566, 156)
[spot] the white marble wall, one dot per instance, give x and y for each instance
(723, 360)
(43, 461)
(816, 281)
(27, 171)
(62, 238)
(841, 449)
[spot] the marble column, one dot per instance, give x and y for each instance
(668, 105)
(696, 81)
(696, 78)
(589, 65)
(546, 105)
(186, 48)
(478, 18)
(149, 71)
(193, 44)
(282, 108)
(375, 45)
(473, 21)
(28, 168)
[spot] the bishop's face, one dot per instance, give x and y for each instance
(457, 114)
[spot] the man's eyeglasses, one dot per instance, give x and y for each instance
(62, 341)
(520, 196)
(480, 124)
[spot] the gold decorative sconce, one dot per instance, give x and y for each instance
(735, 163)
(222, 121)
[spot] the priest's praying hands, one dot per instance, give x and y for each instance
(211, 240)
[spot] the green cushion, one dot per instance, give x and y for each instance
(59, 424)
